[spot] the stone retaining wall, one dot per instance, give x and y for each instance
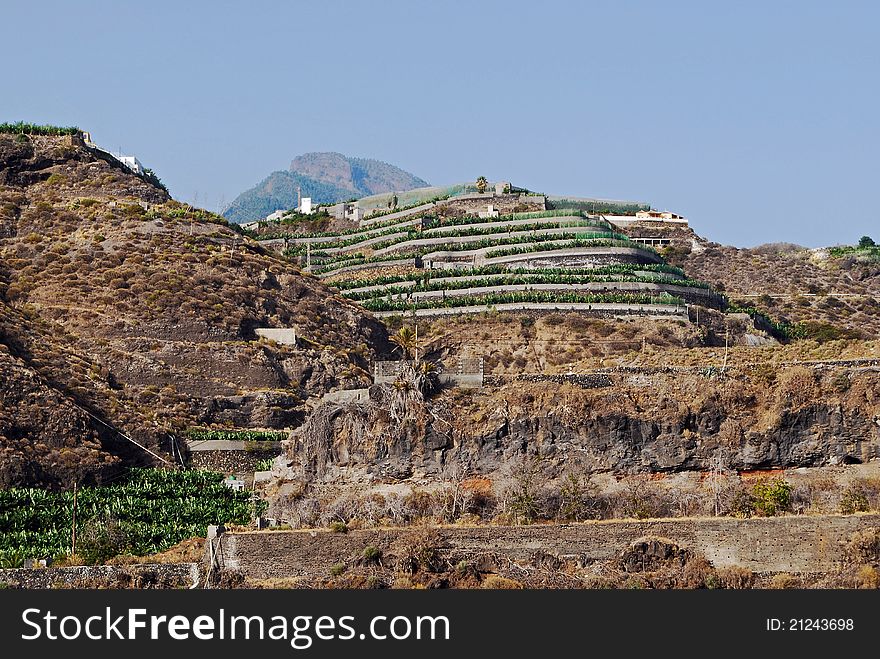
(778, 544)
(583, 380)
(606, 310)
(233, 462)
(148, 575)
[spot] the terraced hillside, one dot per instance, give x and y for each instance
(445, 259)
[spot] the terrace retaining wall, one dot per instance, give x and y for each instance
(776, 544)
(598, 309)
(147, 575)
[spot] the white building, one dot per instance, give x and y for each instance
(305, 206)
(489, 212)
(132, 163)
(658, 215)
(277, 215)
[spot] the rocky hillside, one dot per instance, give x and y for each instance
(832, 296)
(126, 317)
(326, 178)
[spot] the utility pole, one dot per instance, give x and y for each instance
(308, 256)
(726, 346)
(73, 524)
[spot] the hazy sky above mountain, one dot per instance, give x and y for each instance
(757, 120)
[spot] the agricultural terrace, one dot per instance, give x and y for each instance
(146, 511)
(433, 259)
(529, 260)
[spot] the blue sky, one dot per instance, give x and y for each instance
(757, 120)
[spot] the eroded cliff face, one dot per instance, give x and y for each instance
(661, 422)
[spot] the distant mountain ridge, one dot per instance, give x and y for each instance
(326, 177)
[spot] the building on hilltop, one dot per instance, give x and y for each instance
(658, 215)
(132, 163)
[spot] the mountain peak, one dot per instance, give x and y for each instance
(327, 177)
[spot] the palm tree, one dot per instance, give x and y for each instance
(407, 340)
(482, 184)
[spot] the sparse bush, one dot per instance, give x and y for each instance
(338, 527)
(497, 582)
(642, 500)
(784, 581)
(417, 551)
(736, 578)
(771, 497)
(864, 546)
(868, 577)
(521, 496)
(372, 554)
(337, 569)
(578, 499)
(101, 540)
(698, 573)
(854, 500)
(841, 383)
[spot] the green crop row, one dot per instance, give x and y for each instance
(23, 128)
(154, 508)
(205, 434)
(549, 297)
(576, 242)
(452, 233)
(583, 239)
(516, 280)
(533, 215)
(601, 207)
(426, 275)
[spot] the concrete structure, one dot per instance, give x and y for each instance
(624, 221)
(467, 374)
(502, 187)
(277, 215)
(653, 242)
(234, 483)
(229, 456)
(305, 206)
(282, 335)
(489, 212)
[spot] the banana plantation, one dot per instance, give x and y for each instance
(154, 508)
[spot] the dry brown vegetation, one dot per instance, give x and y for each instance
(142, 310)
(808, 278)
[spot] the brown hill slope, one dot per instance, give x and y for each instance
(115, 299)
(835, 297)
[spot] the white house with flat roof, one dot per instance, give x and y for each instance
(132, 163)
